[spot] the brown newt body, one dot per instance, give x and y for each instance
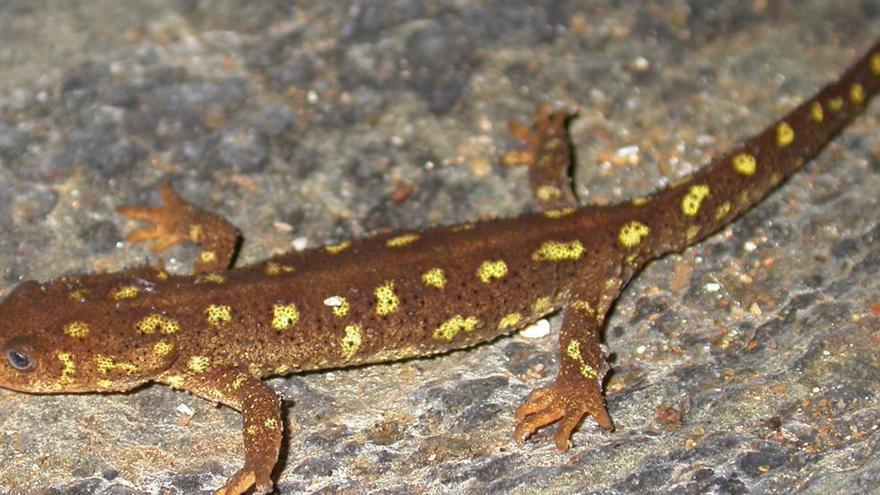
(405, 294)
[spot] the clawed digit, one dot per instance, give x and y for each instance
(555, 403)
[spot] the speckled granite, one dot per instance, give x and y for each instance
(746, 364)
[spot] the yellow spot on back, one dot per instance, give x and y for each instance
(857, 94)
(745, 164)
(283, 369)
(212, 278)
(284, 316)
(208, 256)
(401, 240)
(161, 274)
(76, 329)
(149, 324)
(542, 305)
(68, 370)
(104, 383)
(559, 251)
(692, 232)
(835, 104)
(271, 423)
(690, 204)
(722, 210)
(546, 193)
(198, 364)
(784, 134)
(103, 363)
(386, 300)
(632, 234)
(434, 278)
(217, 314)
(640, 201)
(351, 342)
(875, 64)
(492, 270)
(559, 213)
(816, 112)
(509, 320)
(451, 327)
(127, 292)
(162, 348)
(272, 269)
(463, 227)
(338, 248)
(339, 304)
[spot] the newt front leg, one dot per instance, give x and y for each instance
(261, 415)
(177, 221)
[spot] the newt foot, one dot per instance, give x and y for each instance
(566, 402)
(170, 222)
(243, 480)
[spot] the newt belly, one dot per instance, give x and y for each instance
(217, 332)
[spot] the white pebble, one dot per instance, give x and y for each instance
(537, 330)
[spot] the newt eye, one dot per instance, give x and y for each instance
(20, 360)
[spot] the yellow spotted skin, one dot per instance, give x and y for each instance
(435, 277)
(218, 314)
(455, 325)
(217, 332)
(632, 233)
(573, 351)
(76, 329)
(198, 364)
(284, 316)
(340, 306)
(157, 323)
(816, 112)
(745, 164)
(784, 134)
(690, 205)
(387, 302)
(510, 321)
(351, 341)
(126, 292)
(492, 270)
(857, 94)
(402, 240)
(559, 251)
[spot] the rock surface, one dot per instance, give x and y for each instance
(747, 364)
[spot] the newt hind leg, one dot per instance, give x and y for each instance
(177, 221)
(577, 390)
(548, 155)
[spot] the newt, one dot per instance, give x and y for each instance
(218, 331)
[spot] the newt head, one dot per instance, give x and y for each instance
(55, 340)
